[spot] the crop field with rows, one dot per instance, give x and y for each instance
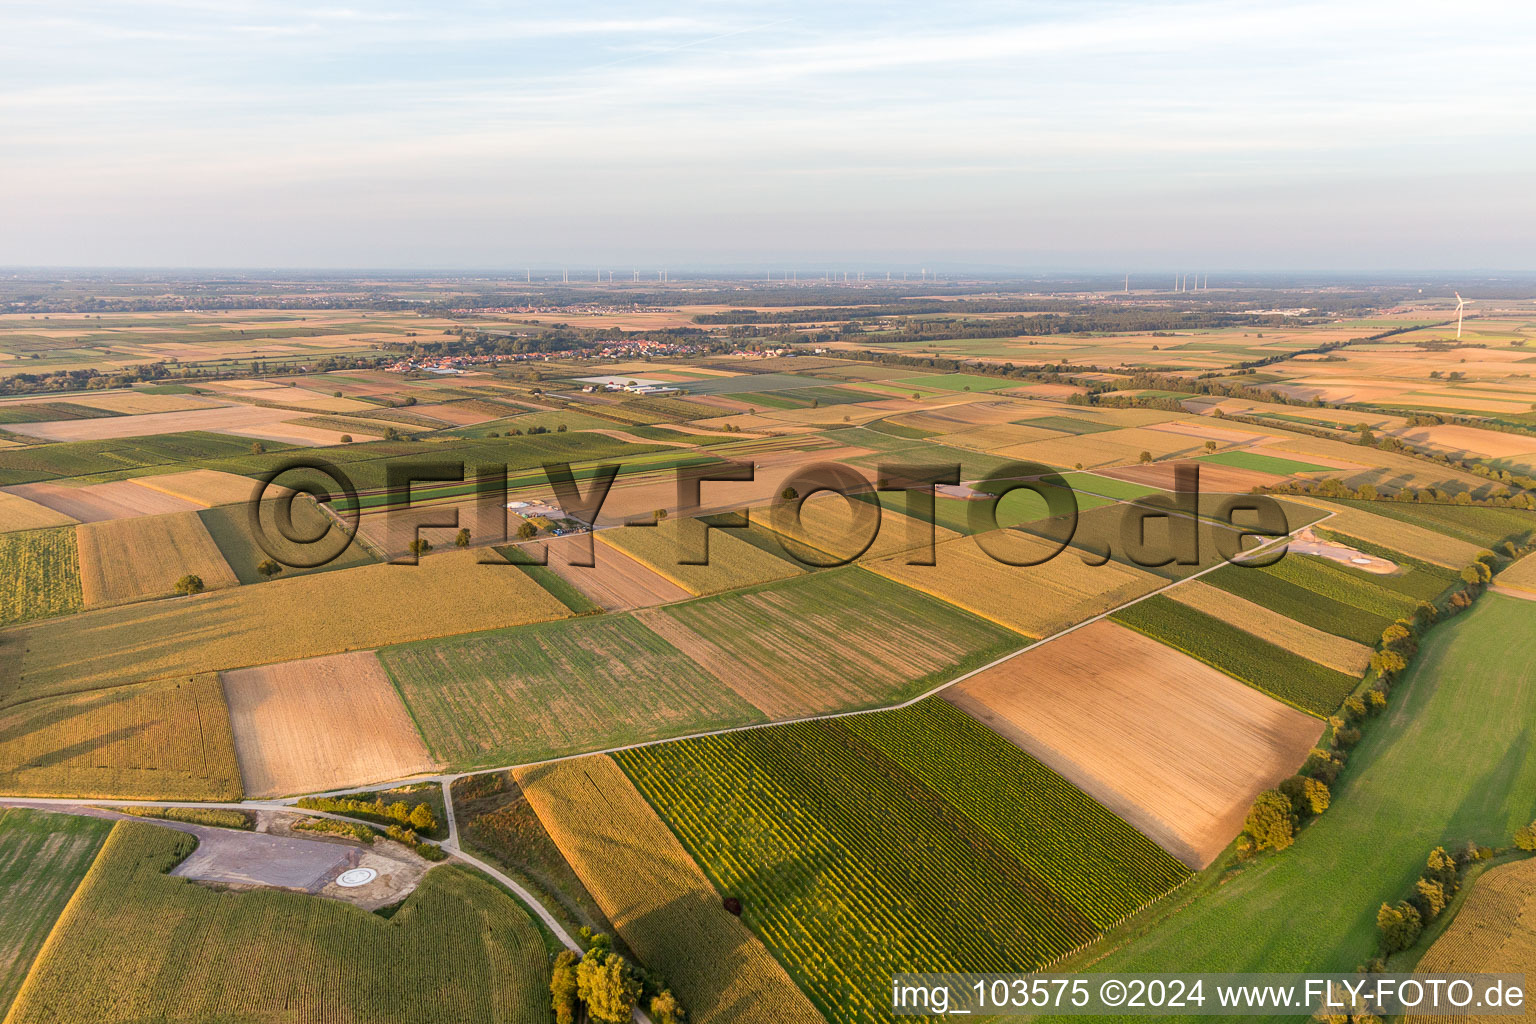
(458, 950)
(39, 574)
(1243, 656)
(1478, 525)
(42, 858)
(1295, 601)
(1494, 931)
(163, 740)
(906, 840)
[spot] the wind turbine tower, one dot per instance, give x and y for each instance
(1460, 305)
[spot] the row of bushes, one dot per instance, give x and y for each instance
(218, 817)
(1277, 814)
(607, 986)
(331, 827)
(376, 810)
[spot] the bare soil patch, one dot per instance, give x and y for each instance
(616, 582)
(319, 724)
(1173, 746)
(121, 499)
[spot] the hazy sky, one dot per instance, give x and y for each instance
(1211, 134)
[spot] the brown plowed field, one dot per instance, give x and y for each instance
(1173, 746)
(616, 582)
(321, 723)
(122, 499)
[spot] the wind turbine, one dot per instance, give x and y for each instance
(1460, 304)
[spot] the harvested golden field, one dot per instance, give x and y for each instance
(1110, 448)
(224, 419)
(124, 560)
(18, 513)
(659, 901)
(1036, 600)
(733, 562)
(205, 487)
(1482, 444)
(1361, 465)
(1521, 575)
(164, 740)
(1494, 933)
(134, 404)
(1173, 746)
(1205, 428)
(121, 499)
(615, 582)
(1002, 435)
(1214, 477)
(1414, 541)
(39, 578)
(321, 724)
(345, 610)
(1324, 648)
(828, 526)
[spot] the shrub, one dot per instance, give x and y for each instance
(189, 584)
(1347, 738)
(1388, 663)
(789, 494)
(1525, 836)
(1375, 699)
(1426, 612)
(1399, 926)
(1271, 821)
(562, 987)
(665, 1009)
(461, 539)
(422, 819)
(215, 816)
(346, 438)
(1308, 796)
(609, 990)
(1245, 847)
(1354, 708)
(420, 546)
(345, 829)
(1429, 897)
(1441, 868)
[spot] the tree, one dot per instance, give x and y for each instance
(258, 448)
(1429, 897)
(608, 988)
(391, 434)
(422, 819)
(1525, 836)
(1388, 663)
(346, 438)
(527, 531)
(1146, 457)
(562, 987)
(660, 514)
(189, 584)
(1309, 797)
(1399, 926)
(1477, 572)
(665, 1009)
(1271, 821)
(1441, 868)
(1210, 446)
(461, 540)
(789, 494)
(268, 568)
(420, 546)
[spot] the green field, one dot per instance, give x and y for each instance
(907, 840)
(114, 457)
(1263, 463)
(1484, 526)
(1451, 761)
(536, 692)
(957, 382)
(42, 412)
(458, 950)
(230, 528)
(1243, 656)
(1320, 611)
(840, 639)
(900, 430)
(42, 859)
(1068, 424)
(39, 574)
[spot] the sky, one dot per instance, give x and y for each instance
(1079, 135)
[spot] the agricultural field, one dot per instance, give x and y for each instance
(829, 641)
(1521, 575)
(165, 740)
(1307, 590)
(459, 949)
(120, 499)
(204, 487)
(1243, 656)
(1172, 746)
(1036, 600)
(41, 576)
(230, 528)
(1494, 931)
(1360, 522)
(658, 900)
(42, 859)
(1011, 876)
(1335, 652)
(1482, 526)
(18, 513)
(615, 581)
(733, 562)
(320, 724)
(363, 608)
(536, 692)
(1447, 764)
(123, 560)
